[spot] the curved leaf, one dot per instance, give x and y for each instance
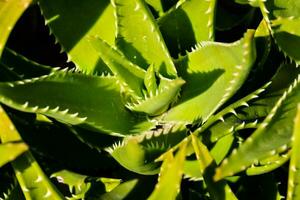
(170, 175)
(273, 135)
(140, 39)
(34, 183)
(72, 22)
(10, 151)
(195, 17)
(221, 68)
(62, 96)
(293, 181)
(10, 12)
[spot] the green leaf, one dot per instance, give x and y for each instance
(10, 12)
(269, 166)
(121, 191)
(64, 96)
(159, 103)
(140, 39)
(144, 148)
(10, 151)
(195, 17)
(73, 22)
(207, 165)
(272, 136)
(293, 181)
(222, 68)
(34, 183)
(137, 158)
(287, 35)
(170, 175)
(129, 74)
(22, 66)
(150, 81)
(81, 186)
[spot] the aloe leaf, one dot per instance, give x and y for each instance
(121, 191)
(293, 181)
(150, 81)
(144, 148)
(128, 73)
(287, 36)
(170, 175)
(269, 166)
(80, 186)
(10, 151)
(142, 44)
(185, 16)
(59, 94)
(22, 66)
(138, 159)
(157, 5)
(157, 104)
(207, 165)
(92, 17)
(34, 183)
(272, 136)
(10, 12)
(222, 68)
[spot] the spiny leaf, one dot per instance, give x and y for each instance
(157, 104)
(137, 158)
(150, 81)
(22, 66)
(64, 96)
(128, 73)
(270, 166)
(157, 5)
(92, 17)
(34, 183)
(10, 12)
(241, 114)
(185, 16)
(287, 36)
(171, 171)
(293, 181)
(80, 185)
(140, 39)
(121, 191)
(10, 151)
(207, 165)
(222, 68)
(272, 136)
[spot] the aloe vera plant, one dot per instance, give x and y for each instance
(189, 99)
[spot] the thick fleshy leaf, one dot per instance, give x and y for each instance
(207, 165)
(170, 175)
(144, 148)
(185, 16)
(287, 36)
(128, 73)
(22, 66)
(62, 95)
(72, 22)
(221, 69)
(137, 158)
(34, 183)
(10, 151)
(140, 39)
(10, 12)
(159, 103)
(293, 181)
(272, 136)
(80, 186)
